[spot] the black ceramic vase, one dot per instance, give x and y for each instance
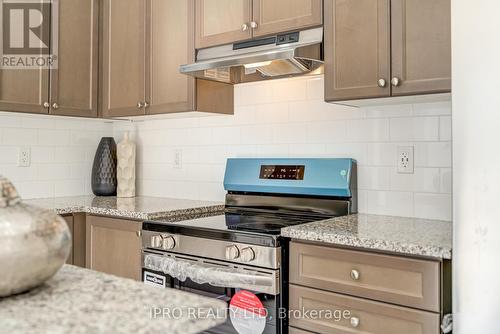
(104, 169)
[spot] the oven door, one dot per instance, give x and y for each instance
(217, 279)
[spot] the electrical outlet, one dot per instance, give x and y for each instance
(24, 157)
(178, 158)
(405, 160)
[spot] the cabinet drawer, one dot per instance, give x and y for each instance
(398, 280)
(372, 317)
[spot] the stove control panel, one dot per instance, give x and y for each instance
(282, 172)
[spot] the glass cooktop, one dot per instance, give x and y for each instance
(248, 221)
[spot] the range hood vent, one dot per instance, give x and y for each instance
(278, 56)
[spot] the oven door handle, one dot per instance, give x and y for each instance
(221, 276)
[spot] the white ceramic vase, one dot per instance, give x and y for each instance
(125, 153)
(34, 243)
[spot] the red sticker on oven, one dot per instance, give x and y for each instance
(247, 313)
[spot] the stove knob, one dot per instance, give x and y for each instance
(232, 252)
(247, 254)
(168, 242)
(156, 241)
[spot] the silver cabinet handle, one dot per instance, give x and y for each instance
(354, 321)
(46, 105)
(138, 233)
(146, 104)
(355, 274)
(140, 105)
(395, 81)
(244, 27)
(381, 83)
(253, 25)
(55, 106)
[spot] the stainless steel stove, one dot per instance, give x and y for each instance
(242, 249)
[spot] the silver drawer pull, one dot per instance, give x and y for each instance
(354, 321)
(355, 274)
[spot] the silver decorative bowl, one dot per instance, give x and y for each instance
(34, 243)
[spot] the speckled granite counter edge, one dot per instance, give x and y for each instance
(178, 214)
(370, 244)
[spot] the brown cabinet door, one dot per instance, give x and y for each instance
(69, 222)
(170, 44)
(222, 21)
(392, 279)
(357, 56)
(114, 246)
(275, 16)
(74, 82)
(362, 315)
(123, 57)
(24, 90)
(421, 46)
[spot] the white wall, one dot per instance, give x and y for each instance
(288, 118)
(62, 151)
(476, 158)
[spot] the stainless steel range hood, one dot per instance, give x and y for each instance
(277, 56)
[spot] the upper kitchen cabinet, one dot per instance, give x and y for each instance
(382, 48)
(357, 49)
(227, 21)
(222, 21)
(123, 71)
(166, 88)
(159, 37)
(70, 86)
(421, 46)
(275, 16)
(73, 84)
(23, 90)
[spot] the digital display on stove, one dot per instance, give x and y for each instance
(282, 172)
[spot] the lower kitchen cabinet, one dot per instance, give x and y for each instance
(113, 246)
(76, 225)
(365, 316)
(69, 221)
(383, 293)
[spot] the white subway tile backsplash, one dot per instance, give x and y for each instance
(436, 154)
(326, 132)
(389, 111)
(51, 137)
(446, 175)
(288, 118)
(368, 130)
(433, 206)
(422, 180)
(8, 155)
(374, 178)
(18, 136)
(432, 109)
(279, 118)
(62, 150)
(381, 154)
(391, 203)
(414, 129)
(445, 128)
(315, 88)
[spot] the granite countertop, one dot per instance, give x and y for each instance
(78, 300)
(401, 235)
(141, 208)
